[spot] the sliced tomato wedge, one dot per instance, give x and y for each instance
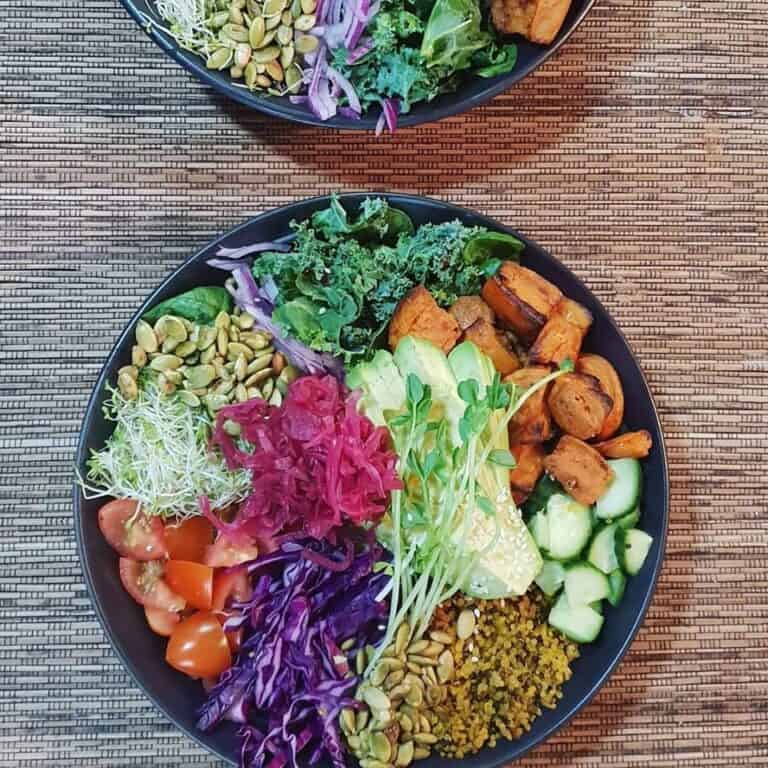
(189, 539)
(193, 581)
(145, 584)
(198, 646)
(226, 552)
(230, 584)
(130, 532)
(160, 621)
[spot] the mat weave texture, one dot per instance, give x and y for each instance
(637, 155)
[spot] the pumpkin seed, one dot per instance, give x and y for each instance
(400, 691)
(275, 71)
(293, 76)
(378, 675)
(222, 342)
(394, 678)
(127, 386)
(380, 747)
(138, 356)
(265, 55)
(361, 720)
(273, 22)
(185, 349)
(433, 650)
(253, 393)
(219, 59)
(267, 388)
(206, 337)
(445, 666)
(242, 57)
(223, 388)
(241, 368)
(207, 355)
(245, 321)
(406, 724)
(295, 8)
(188, 398)
(348, 719)
(418, 646)
(165, 362)
(215, 402)
(401, 637)
(388, 652)
(305, 22)
(360, 662)
(465, 625)
(175, 376)
(273, 8)
(145, 337)
(286, 19)
(276, 398)
(170, 328)
(414, 680)
(255, 340)
(201, 375)
(241, 393)
(131, 370)
(425, 738)
(441, 637)
(404, 754)
(236, 16)
(308, 6)
(306, 44)
(375, 698)
(218, 19)
(430, 676)
(253, 8)
(256, 32)
(250, 75)
(415, 696)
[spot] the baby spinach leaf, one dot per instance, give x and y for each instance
(453, 34)
(200, 305)
(497, 246)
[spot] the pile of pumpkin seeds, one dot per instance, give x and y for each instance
(394, 725)
(262, 43)
(209, 365)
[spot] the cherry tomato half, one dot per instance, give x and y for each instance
(198, 646)
(189, 539)
(226, 552)
(193, 581)
(162, 622)
(144, 583)
(133, 535)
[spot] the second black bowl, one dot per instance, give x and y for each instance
(143, 652)
(472, 92)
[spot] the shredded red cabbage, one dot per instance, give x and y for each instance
(289, 682)
(315, 462)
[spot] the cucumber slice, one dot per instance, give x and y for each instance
(605, 547)
(629, 521)
(539, 528)
(551, 577)
(570, 526)
(584, 584)
(624, 491)
(581, 623)
(636, 546)
(617, 582)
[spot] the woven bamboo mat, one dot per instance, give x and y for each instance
(638, 155)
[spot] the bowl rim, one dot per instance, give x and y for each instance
(282, 108)
(94, 402)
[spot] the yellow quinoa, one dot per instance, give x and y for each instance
(512, 665)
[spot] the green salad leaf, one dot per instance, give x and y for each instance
(453, 34)
(200, 305)
(346, 273)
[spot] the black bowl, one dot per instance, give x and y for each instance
(142, 652)
(473, 92)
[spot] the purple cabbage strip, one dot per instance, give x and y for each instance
(364, 47)
(346, 87)
(288, 684)
(259, 302)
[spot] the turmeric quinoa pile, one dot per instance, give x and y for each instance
(511, 666)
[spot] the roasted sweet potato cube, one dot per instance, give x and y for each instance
(469, 309)
(532, 423)
(558, 340)
(418, 315)
(578, 405)
(490, 342)
(538, 20)
(530, 465)
(574, 313)
(580, 469)
(630, 445)
(605, 373)
(521, 299)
